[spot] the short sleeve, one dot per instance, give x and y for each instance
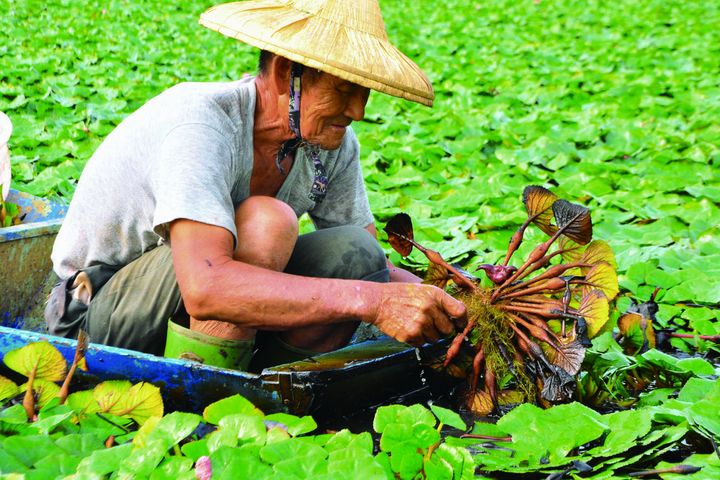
(192, 179)
(346, 201)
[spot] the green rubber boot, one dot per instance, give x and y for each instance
(191, 345)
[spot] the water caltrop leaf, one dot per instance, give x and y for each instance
(83, 402)
(139, 402)
(638, 334)
(8, 389)
(598, 251)
(108, 393)
(569, 356)
(45, 391)
(214, 412)
(448, 417)
(538, 202)
(436, 275)
(596, 311)
(400, 233)
(41, 357)
(602, 276)
(574, 220)
(550, 433)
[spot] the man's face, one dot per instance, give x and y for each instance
(328, 105)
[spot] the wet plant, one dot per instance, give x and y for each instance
(533, 324)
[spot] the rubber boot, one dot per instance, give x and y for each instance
(191, 345)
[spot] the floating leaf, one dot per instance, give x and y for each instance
(400, 233)
(572, 252)
(538, 202)
(574, 220)
(436, 275)
(139, 402)
(598, 251)
(214, 412)
(595, 309)
(83, 402)
(448, 417)
(602, 276)
(638, 334)
(41, 357)
(480, 403)
(44, 390)
(570, 354)
(8, 389)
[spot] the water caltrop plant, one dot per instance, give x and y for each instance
(532, 325)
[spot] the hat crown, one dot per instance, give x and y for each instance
(361, 15)
(345, 38)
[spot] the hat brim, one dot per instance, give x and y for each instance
(356, 56)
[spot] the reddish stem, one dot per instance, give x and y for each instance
(711, 338)
(486, 437)
(477, 362)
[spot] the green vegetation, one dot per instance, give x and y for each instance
(613, 105)
(119, 430)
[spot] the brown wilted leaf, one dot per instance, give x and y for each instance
(400, 233)
(436, 275)
(574, 220)
(570, 355)
(538, 201)
(480, 403)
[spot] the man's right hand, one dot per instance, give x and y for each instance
(416, 314)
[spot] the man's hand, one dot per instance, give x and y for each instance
(417, 314)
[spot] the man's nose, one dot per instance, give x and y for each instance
(356, 105)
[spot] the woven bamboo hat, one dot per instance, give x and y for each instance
(345, 38)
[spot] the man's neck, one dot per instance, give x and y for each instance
(271, 128)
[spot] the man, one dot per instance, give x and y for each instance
(188, 211)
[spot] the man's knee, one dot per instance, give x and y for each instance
(267, 230)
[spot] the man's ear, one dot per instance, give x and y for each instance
(280, 72)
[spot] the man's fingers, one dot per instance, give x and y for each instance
(455, 310)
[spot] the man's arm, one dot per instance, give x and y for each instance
(397, 274)
(214, 286)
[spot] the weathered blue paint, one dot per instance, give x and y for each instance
(25, 267)
(41, 217)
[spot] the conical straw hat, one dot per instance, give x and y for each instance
(345, 38)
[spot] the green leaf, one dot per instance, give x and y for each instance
(448, 417)
(402, 414)
(245, 428)
(279, 451)
(30, 449)
(294, 425)
(239, 463)
(104, 461)
(230, 405)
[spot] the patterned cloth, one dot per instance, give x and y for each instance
(320, 183)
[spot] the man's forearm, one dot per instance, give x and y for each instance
(398, 274)
(259, 298)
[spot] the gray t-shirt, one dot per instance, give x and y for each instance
(188, 153)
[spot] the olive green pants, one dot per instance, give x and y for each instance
(130, 307)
